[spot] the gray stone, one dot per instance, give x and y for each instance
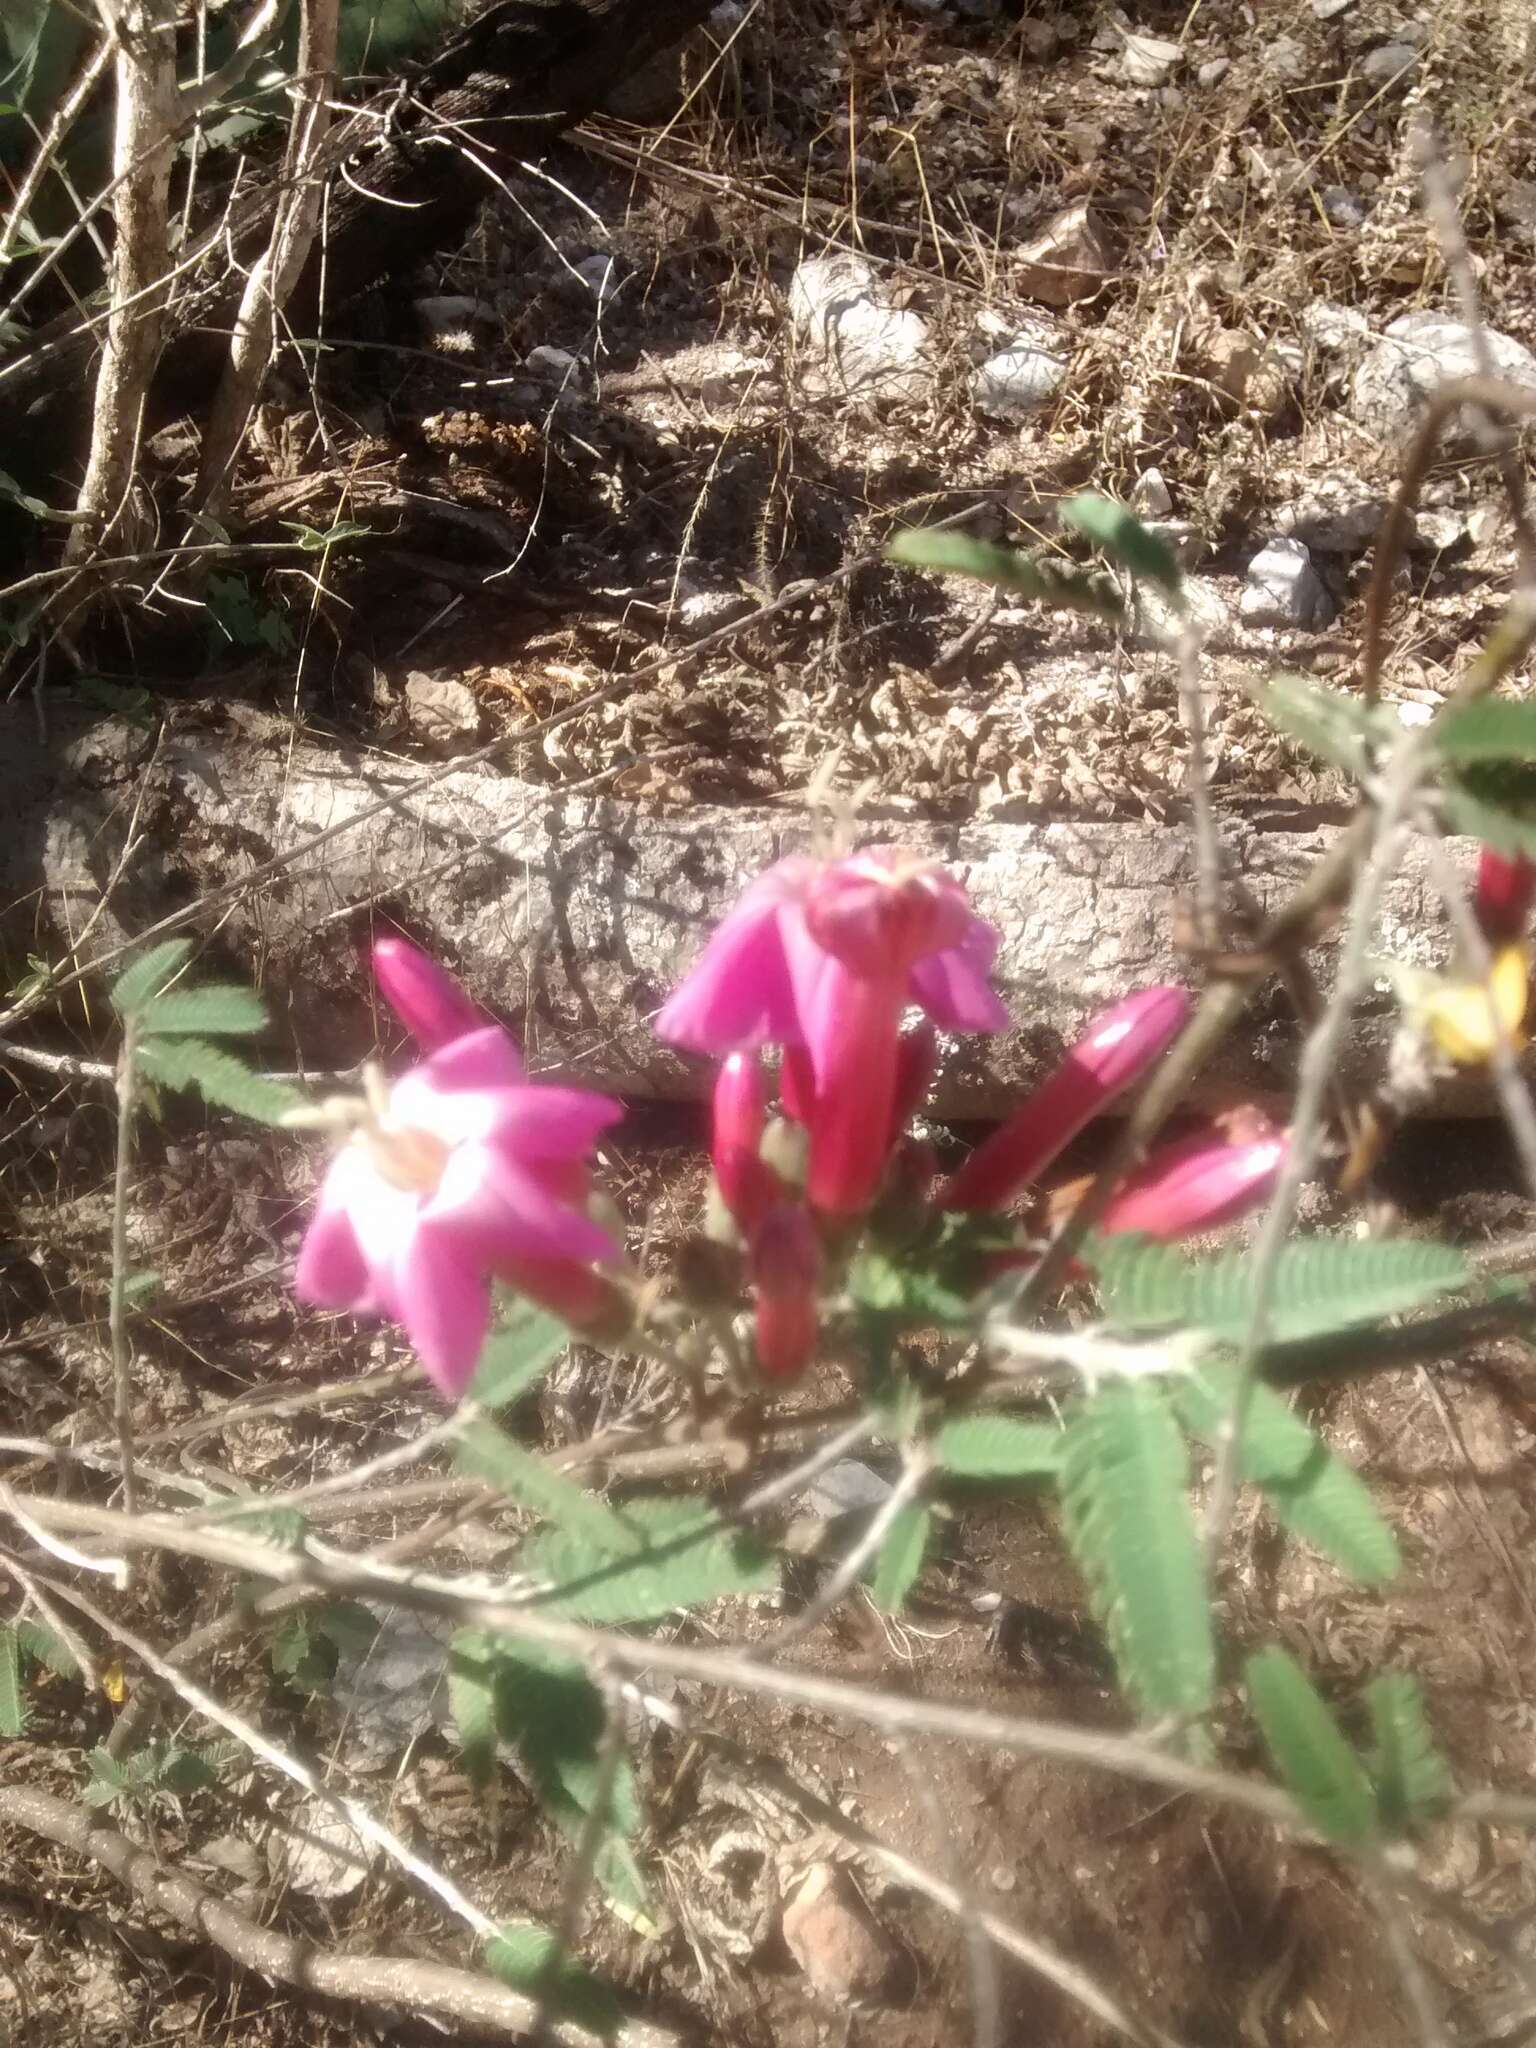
(850, 1487)
(1021, 378)
(1417, 353)
(1285, 60)
(856, 343)
(1149, 60)
(600, 275)
(1388, 65)
(1150, 497)
(1213, 70)
(1330, 10)
(1340, 515)
(1335, 330)
(1342, 206)
(444, 713)
(1284, 589)
(558, 364)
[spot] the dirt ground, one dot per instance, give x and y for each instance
(536, 532)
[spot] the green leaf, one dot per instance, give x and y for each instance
(1413, 1780)
(999, 1447)
(900, 1285)
(348, 1625)
(1321, 1284)
(144, 978)
(472, 1667)
(1492, 729)
(529, 1959)
(1495, 805)
(518, 1353)
(1339, 728)
(523, 1476)
(956, 554)
(1316, 1495)
(552, 1714)
(219, 1077)
(141, 1286)
(222, 1009)
(679, 1555)
(1120, 533)
(109, 1780)
(901, 1557)
(182, 1772)
(45, 1646)
(1320, 1769)
(13, 1705)
(1126, 1515)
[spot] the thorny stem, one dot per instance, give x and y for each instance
(122, 1363)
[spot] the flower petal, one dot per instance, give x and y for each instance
(552, 1123)
(331, 1270)
(497, 1209)
(428, 1001)
(953, 987)
(1195, 1185)
(445, 1305)
(738, 992)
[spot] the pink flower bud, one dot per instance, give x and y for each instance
(1502, 899)
(428, 1002)
(1195, 1185)
(747, 1186)
(797, 1084)
(786, 1277)
(1118, 1048)
(917, 1055)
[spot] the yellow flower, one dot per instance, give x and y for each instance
(1463, 1017)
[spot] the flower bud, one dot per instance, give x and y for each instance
(590, 1301)
(1117, 1049)
(747, 1187)
(1195, 1185)
(428, 1002)
(785, 1263)
(1501, 901)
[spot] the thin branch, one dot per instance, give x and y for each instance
(122, 1360)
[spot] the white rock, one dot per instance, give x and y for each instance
(1418, 352)
(1340, 515)
(318, 1853)
(857, 344)
(1214, 70)
(1330, 10)
(1066, 261)
(556, 363)
(1388, 65)
(1149, 60)
(1335, 330)
(443, 712)
(1150, 498)
(1284, 589)
(1024, 376)
(1285, 60)
(1157, 622)
(1438, 531)
(849, 1487)
(1343, 207)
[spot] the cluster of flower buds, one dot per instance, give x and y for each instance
(463, 1173)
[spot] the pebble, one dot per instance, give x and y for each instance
(1285, 60)
(1284, 589)
(555, 363)
(1342, 207)
(1149, 60)
(444, 713)
(1330, 10)
(1339, 515)
(600, 275)
(857, 344)
(1022, 377)
(1150, 498)
(843, 1950)
(1390, 64)
(1214, 70)
(1418, 352)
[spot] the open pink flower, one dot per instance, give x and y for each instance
(460, 1173)
(823, 959)
(1116, 1050)
(1195, 1185)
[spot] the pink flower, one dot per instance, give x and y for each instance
(1195, 1185)
(823, 959)
(1118, 1047)
(748, 1187)
(786, 1279)
(1502, 899)
(460, 1173)
(428, 1002)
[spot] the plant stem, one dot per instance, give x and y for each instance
(117, 1327)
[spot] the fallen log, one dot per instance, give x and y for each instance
(571, 916)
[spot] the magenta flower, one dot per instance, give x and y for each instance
(1116, 1050)
(428, 1002)
(1194, 1185)
(786, 1280)
(1502, 899)
(460, 1173)
(824, 958)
